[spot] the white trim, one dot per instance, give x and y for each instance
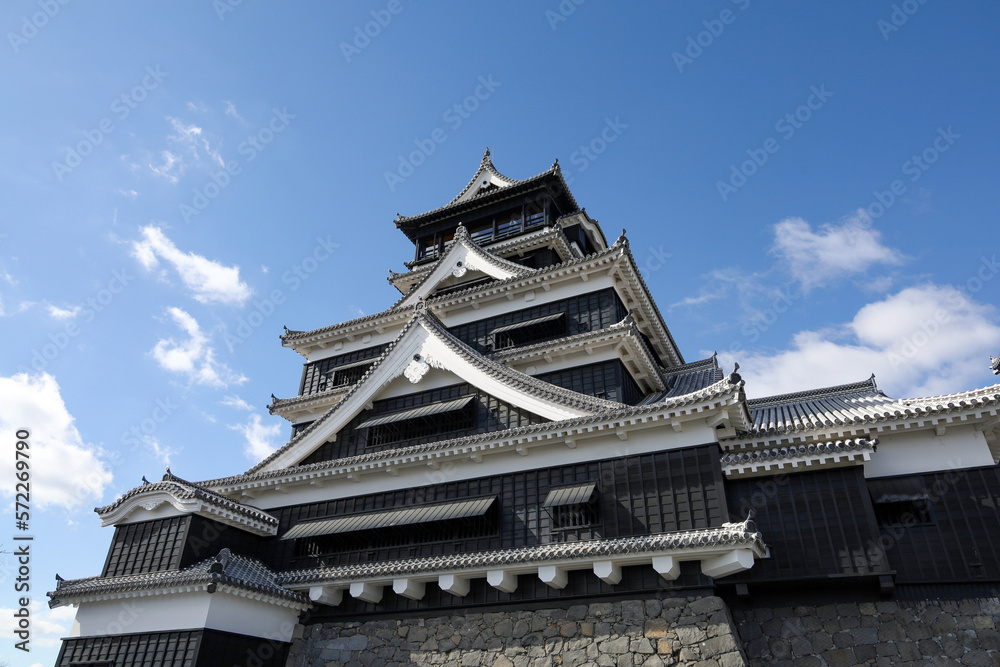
(151, 501)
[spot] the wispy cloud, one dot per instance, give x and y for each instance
(816, 258)
(231, 111)
(209, 281)
(193, 356)
(171, 168)
(64, 313)
(260, 439)
(236, 402)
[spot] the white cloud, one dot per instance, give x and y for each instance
(236, 402)
(131, 194)
(211, 282)
(922, 341)
(65, 471)
(64, 313)
(167, 169)
(260, 439)
(231, 111)
(48, 626)
(835, 251)
(193, 357)
(192, 137)
(161, 453)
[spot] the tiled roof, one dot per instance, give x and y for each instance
(851, 404)
(732, 535)
(717, 391)
(225, 569)
(182, 490)
(478, 199)
(512, 378)
(292, 336)
(691, 377)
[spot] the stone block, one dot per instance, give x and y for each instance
(641, 645)
(689, 636)
(977, 658)
(577, 612)
(653, 608)
(864, 653)
(843, 657)
(633, 611)
(615, 646)
(656, 628)
(706, 605)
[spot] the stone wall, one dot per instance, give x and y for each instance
(688, 632)
(886, 633)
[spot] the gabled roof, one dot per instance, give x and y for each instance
(191, 498)
(424, 343)
(553, 237)
(726, 394)
(485, 180)
(226, 572)
(462, 256)
(618, 256)
(497, 187)
(854, 404)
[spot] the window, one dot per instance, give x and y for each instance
(572, 506)
(529, 331)
(422, 422)
(905, 511)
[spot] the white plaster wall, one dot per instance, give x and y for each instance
(910, 452)
(231, 613)
(144, 614)
(185, 611)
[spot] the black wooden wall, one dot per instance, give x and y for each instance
(819, 525)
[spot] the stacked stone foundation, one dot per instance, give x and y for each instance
(688, 632)
(884, 633)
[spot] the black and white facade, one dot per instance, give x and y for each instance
(520, 428)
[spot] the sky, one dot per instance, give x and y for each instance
(808, 188)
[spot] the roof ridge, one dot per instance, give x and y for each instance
(836, 390)
(396, 309)
(624, 411)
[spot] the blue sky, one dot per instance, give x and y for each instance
(808, 188)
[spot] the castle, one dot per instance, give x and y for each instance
(514, 461)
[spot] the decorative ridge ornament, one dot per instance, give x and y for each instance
(995, 364)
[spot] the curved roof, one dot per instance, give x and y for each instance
(850, 404)
(182, 491)
(223, 570)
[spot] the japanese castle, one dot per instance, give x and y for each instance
(519, 430)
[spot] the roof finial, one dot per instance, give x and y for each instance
(621, 239)
(555, 165)
(995, 364)
(735, 377)
(144, 480)
(486, 155)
